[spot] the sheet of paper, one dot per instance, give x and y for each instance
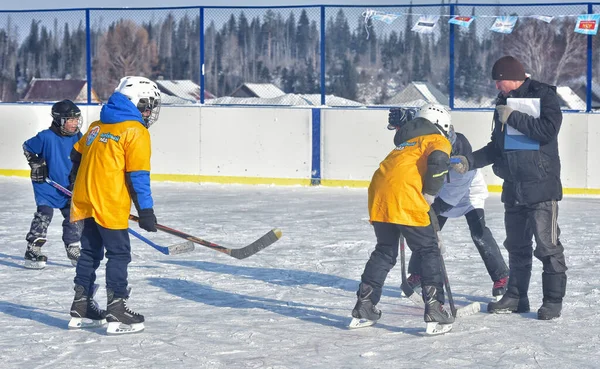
(527, 106)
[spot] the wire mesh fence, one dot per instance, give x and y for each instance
(302, 55)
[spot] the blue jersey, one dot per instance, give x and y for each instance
(55, 150)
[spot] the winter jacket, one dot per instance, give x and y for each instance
(530, 176)
(54, 148)
(418, 164)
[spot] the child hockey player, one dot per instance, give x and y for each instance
(461, 195)
(400, 195)
(111, 167)
(48, 156)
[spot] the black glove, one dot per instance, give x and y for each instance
(399, 116)
(147, 220)
(39, 170)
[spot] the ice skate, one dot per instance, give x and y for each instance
(438, 320)
(122, 320)
(364, 313)
(73, 250)
(34, 259)
(412, 289)
(85, 312)
(500, 288)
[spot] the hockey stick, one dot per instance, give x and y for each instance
(268, 239)
(404, 286)
(465, 310)
(167, 250)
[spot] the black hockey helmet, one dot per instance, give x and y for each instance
(63, 111)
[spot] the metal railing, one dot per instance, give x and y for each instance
(300, 55)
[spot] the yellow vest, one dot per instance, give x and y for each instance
(395, 191)
(108, 151)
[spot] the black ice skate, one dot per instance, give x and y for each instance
(85, 312)
(73, 250)
(500, 288)
(364, 313)
(120, 318)
(34, 259)
(509, 304)
(438, 319)
(549, 310)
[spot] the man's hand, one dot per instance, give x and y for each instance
(460, 164)
(504, 112)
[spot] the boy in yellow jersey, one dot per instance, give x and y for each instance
(400, 195)
(111, 168)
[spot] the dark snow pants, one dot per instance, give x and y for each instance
(95, 239)
(420, 240)
(41, 221)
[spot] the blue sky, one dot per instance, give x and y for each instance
(65, 4)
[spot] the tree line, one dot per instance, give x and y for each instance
(360, 64)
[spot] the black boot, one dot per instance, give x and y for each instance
(515, 299)
(509, 304)
(364, 308)
(554, 286)
(434, 309)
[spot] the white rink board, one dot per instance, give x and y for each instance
(267, 142)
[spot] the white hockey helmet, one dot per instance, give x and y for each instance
(438, 115)
(144, 94)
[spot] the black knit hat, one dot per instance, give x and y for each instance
(508, 68)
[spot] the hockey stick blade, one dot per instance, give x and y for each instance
(178, 248)
(167, 250)
(265, 241)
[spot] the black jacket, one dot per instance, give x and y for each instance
(530, 176)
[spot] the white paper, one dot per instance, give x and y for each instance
(527, 106)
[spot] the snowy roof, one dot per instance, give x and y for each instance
(264, 90)
(416, 91)
(285, 100)
(570, 98)
(182, 88)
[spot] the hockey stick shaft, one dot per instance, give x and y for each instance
(436, 228)
(241, 253)
(170, 250)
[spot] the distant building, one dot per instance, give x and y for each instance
(262, 90)
(418, 94)
(286, 100)
(50, 90)
(181, 91)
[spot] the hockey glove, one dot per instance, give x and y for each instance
(39, 170)
(398, 117)
(147, 220)
(460, 164)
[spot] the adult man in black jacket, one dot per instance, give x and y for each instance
(530, 191)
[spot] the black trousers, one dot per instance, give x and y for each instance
(41, 221)
(420, 240)
(94, 241)
(484, 242)
(523, 224)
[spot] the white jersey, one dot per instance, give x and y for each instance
(464, 192)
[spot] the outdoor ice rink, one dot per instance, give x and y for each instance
(287, 306)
